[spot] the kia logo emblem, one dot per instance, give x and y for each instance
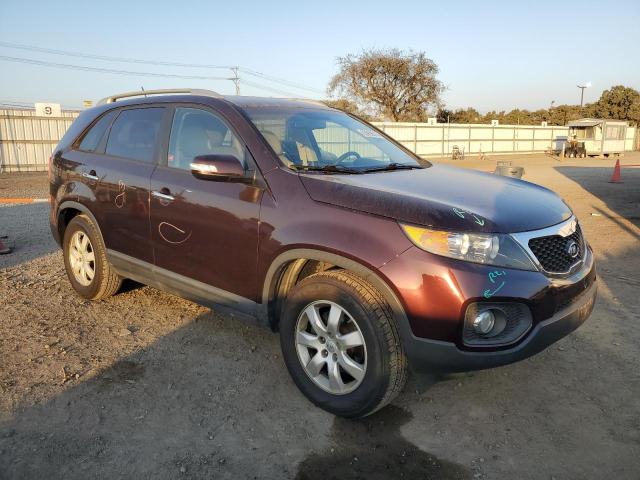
(572, 249)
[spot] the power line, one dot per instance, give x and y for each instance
(267, 88)
(280, 80)
(143, 74)
(107, 58)
(248, 71)
(136, 73)
(107, 70)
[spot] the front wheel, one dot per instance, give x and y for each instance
(341, 345)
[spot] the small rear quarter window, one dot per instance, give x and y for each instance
(91, 139)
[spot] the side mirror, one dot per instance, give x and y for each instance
(217, 168)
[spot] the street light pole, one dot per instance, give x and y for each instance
(581, 95)
(582, 87)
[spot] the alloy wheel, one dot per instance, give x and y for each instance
(331, 347)
(82, 258)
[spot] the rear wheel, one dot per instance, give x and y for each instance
(341, 345)
(85, 261)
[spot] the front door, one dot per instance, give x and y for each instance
(204, 230)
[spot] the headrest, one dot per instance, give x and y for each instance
(273, 140)
(193, 141)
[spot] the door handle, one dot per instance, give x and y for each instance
(91, 175)
(163, 196)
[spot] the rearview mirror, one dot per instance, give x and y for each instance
(217, 167)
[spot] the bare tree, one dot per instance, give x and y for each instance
(392, 84)
(346, 106)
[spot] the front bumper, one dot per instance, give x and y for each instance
(435, 293)
(427, 355)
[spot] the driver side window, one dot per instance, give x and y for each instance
(196, 132)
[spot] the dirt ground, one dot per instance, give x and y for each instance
(148, 385)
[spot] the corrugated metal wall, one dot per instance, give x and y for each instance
(438, 140)
(26, 141)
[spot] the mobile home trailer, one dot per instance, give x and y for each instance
(595, 136)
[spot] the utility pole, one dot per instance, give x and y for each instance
(236, 79)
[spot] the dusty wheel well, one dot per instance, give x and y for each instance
(289, 276)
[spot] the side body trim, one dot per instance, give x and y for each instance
(182, 286)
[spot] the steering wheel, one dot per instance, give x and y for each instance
(346, 155)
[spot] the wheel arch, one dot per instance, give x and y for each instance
(65, 214)
(285, 271)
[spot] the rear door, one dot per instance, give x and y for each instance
(204, 230)
(122, 176)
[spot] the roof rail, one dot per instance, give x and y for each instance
(141, 93)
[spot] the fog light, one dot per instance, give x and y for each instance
(484, 322)
(495, 323)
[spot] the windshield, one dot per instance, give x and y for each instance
(327, 140)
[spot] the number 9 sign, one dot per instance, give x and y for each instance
(48, 110)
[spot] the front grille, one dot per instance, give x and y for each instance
(551, 251)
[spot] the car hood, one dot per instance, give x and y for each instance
(444, 197)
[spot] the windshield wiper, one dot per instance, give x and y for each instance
(325, 168)
(393, 166)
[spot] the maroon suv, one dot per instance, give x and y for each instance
(316, 223)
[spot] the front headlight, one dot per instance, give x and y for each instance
(488, 248)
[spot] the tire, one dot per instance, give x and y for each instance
(103, 282)
(365, 317)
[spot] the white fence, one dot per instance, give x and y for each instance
(26, 140)
(439, 139)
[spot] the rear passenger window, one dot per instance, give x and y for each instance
(92, 138)
(134, 134)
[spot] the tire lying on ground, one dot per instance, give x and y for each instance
(341, 345)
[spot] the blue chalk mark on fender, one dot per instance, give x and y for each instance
(496, 273)
(493, 275)
(461, 213)
(458, 212)
(488, 293)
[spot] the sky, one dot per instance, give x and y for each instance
(492, 55)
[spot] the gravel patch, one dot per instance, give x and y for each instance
(24, 185)
(149, 385)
